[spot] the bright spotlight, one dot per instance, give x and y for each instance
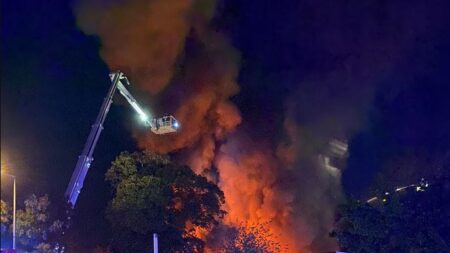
(143, 117)
(176, 125)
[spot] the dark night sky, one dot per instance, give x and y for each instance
(53, 82)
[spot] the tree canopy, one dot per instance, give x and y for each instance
(410, 222)
(34, 224)
(5, 217)
(245, 239)
(152, 194)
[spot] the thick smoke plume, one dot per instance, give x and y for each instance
(142, 38)
(171, 49)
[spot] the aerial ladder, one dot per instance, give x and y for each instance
(163, 125)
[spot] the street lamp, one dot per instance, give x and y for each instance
(14, 207)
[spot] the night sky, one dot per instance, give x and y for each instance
(398, 53)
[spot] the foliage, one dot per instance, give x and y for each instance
(34, 225)
(154, 195)
(43, 248)
(409, 222)
(253, 239)
(5, 217)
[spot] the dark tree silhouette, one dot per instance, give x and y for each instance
(247, 239)
(413, 221)
(35, 226)
(154, 195)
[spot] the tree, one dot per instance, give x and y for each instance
(34, 225)
(5, 217)
(242, 239)
(409, 222)
(154, 195)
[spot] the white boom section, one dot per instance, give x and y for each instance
(127, 95)
(166, 124)
(163, 125)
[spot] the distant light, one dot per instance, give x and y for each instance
(176, 125)
(372, 199)
(401, 188)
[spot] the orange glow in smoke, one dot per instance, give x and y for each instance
(146, 39)
(248, 181)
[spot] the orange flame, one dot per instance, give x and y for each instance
(145, 39)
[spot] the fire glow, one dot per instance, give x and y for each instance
(263, 183)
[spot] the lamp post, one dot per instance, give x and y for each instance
(155, 243)
(14, 207)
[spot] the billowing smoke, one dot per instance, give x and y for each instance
(142, 38)
(171, 49)
(162, 42)
(204, 108)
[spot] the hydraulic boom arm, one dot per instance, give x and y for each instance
(166, 124)
(85, 159)
(131, 99)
